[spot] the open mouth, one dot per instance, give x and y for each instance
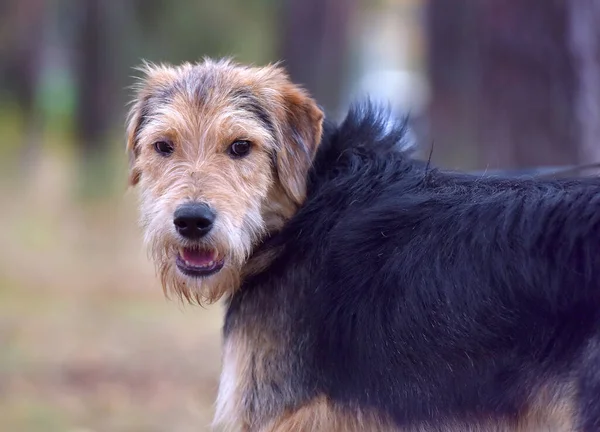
(198, 262)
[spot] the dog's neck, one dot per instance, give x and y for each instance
(278, 209)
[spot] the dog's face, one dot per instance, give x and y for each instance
(220, 153)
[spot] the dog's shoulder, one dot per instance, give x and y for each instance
(373, 127)
(369, 134)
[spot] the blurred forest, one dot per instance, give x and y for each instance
(87, 340)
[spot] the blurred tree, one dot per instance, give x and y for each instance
(452, 67)
(22, 26)
(506, 86)
(99, 47)
(315, 45)
(585, 45)
(94, 75)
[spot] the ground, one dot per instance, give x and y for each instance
(88, 342)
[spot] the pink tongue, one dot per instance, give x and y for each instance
(198, 257)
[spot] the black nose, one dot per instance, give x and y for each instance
(193, 220)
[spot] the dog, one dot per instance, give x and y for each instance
(365, 290)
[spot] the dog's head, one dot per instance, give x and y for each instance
(220, 153)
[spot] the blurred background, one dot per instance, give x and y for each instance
(87, 340)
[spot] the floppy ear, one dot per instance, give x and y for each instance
(301, 131)
(155, 79)
(136, 119)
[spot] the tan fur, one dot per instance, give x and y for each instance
(194, 106)
(321, 415)
(552, 409)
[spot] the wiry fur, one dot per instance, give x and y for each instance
(375, 292)
(202, 108)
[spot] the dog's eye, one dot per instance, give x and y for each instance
(239, 149)
(164, 148)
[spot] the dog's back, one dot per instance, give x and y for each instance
(407, 298)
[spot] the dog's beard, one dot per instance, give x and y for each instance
(231, 243)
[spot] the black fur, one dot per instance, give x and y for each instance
(432, 295)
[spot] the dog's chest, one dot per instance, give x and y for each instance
(254, 384)
(233, 389)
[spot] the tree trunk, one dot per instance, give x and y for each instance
(453, 68)
(505, 81)
(315, 46)
(21, 67)
(584, 20)
(94, 77)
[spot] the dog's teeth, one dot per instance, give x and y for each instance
(210, 264)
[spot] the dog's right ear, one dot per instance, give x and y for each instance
(136, 119)
(153, 79)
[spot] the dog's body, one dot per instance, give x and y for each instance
(422, 298)
(395, 297)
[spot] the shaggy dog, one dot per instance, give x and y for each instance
(365, 290)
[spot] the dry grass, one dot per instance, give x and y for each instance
(87, 340)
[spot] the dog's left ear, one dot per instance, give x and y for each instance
(301, 130)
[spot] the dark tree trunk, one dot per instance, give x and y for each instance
(504, 83)
(26, 50)
(584, 19)
(453, 68)
(94, 76)
(315, 36)
(22, 66)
